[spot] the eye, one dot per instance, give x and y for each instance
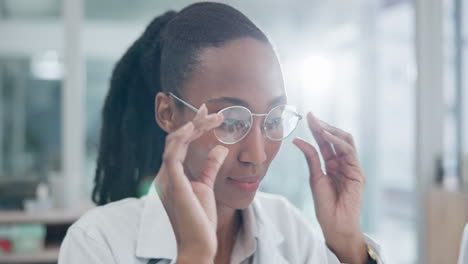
(232, 124)
(273, 123)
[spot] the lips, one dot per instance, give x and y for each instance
(246, 184)
(247, 179)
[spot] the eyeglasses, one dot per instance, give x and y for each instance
(279, 122)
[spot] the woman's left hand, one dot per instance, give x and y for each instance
(338, 191)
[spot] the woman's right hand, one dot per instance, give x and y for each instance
(190, 204)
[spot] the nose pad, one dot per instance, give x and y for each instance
(253, 149)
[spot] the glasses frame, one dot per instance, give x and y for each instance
(252, 115)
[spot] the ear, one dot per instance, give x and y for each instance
(164, 112)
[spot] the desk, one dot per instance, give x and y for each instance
(50, 219)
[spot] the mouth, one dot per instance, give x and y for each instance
(246, 184)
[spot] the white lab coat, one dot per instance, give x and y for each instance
(135, 231)
(463, 258)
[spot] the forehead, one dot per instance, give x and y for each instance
(245, 68)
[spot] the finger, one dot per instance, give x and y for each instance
(354, 174)
(339, 144)
(202, 126)
(317, 132)
(340, 174)
(204, 122)
(344, 150)
(183, 136)
(332, 166)
(177, 145)
(339, 133)
(312, 158)
(214, 161)
(320, 192)
(178, 141)
(201, 114)
(174, 155)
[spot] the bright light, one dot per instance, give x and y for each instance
(47, 66)
(317, 74)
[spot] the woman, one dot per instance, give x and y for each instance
(199, 101)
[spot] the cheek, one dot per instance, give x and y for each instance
(272, 149)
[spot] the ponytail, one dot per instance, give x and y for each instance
(131, 143)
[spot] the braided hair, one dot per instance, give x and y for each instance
(160, 60)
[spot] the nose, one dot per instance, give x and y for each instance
(253, 145)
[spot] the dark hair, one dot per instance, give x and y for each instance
(131, 143)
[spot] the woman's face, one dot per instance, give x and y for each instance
(242, 72)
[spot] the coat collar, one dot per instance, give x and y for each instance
(269, 237)
(156, 239)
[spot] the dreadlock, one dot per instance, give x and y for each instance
(160, 60)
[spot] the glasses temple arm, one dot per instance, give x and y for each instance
(185, 103)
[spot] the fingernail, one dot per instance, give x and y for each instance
(312, 117)
(297, 139)
(224, 152)
(202, 108)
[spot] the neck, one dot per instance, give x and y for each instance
(228, 224)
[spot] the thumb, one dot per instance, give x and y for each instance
(312, 158)
(215, 159)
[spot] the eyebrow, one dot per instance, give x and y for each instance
(237, 101)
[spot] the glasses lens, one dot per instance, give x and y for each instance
(281, 122)
(236, 124)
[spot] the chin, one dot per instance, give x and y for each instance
(237, 201)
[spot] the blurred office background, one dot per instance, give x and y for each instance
(391, 72)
